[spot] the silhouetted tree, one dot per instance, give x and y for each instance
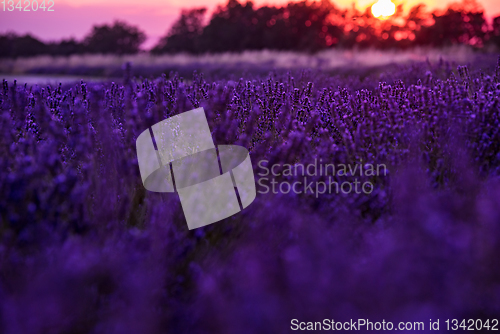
(184, 34)
(461, 23)
(267, 29)
(120, 38)
(416, 19)
(303, 26)
(238, 26)
(361, 32)
(66, 47)
(228, 29)
(12, 46)
(310, 26)
(495, 33)
(6, 42)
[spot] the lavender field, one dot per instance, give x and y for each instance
(84, 248)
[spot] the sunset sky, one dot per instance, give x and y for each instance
(74, 18)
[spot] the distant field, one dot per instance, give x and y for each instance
(335, 61)
(31, 79)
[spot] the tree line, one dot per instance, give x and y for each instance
(302, 26)
(119, 38)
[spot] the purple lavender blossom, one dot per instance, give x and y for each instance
(85, 249)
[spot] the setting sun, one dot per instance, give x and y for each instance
(383, 8)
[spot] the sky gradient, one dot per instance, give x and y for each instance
(74, 18)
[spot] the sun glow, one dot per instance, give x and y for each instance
(383, 8)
